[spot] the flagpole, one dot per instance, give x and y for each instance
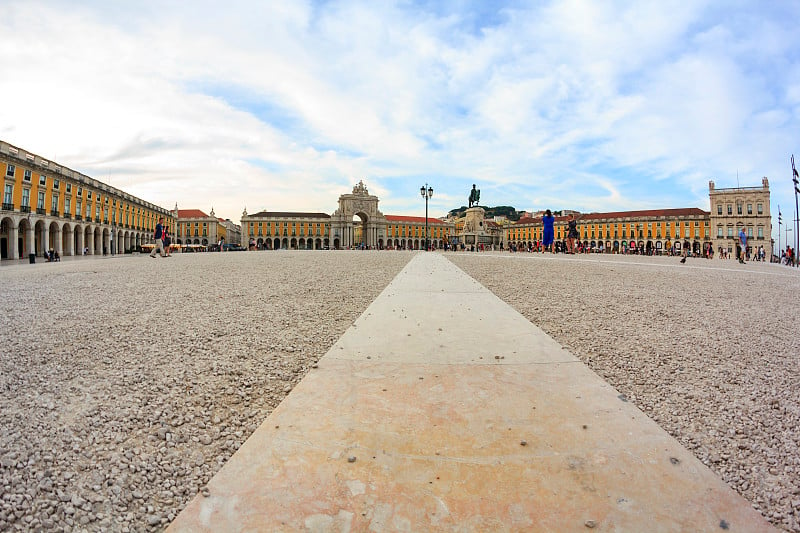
(779, 234)
(796, 180)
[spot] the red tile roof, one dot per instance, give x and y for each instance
(649, 213)
(642, 214)
(535, 220)
(419, 220)
(289, 214)
(191, 213)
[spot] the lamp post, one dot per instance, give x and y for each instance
(427, 193)
(780, 221)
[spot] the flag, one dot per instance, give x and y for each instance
(795, 177)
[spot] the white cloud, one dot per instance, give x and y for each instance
(286, 105)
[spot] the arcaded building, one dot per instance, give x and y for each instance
(198, 228)
(47, 206)
(357, 222)
(652, 231)
(660, 230)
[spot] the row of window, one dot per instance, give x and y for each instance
(27, 176)
(587, 234)
(597, 232)
(417, 231)
(749, 231)
(739, 208)
(8, 195)
(274, 227)
(286, 232)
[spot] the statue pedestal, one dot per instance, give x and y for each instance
(474, 227)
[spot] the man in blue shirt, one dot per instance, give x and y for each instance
(548, 233)
(158, 236)
(743, 243)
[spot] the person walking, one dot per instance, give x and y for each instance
(158, 236)
(743, 244)
(572, 234)
(548, 231)
(167, 242)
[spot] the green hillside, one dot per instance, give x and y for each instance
(500, 210)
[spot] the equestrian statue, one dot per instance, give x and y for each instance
(474, 196)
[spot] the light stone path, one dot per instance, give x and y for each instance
(710, 350)
(443, 409)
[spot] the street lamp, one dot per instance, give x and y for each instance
(427, 193)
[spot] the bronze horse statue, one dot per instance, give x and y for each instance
(474, 196)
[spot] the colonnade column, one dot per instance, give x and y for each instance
(89, 241)
(57, 241)
(45, 238)
(69, 250)
(31, 240)
(13, 247)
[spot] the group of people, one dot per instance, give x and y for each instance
(548, 233)
(51, 256)
(788, 257)
(162, 240)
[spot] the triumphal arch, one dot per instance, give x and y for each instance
(360, 203)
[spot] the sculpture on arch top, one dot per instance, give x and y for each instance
(360, 189)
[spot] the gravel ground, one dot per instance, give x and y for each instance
(126, 383)
(118, 404)
(710, 350)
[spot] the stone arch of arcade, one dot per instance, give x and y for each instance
(363, 206)
(25, 234)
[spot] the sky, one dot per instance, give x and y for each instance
(285, 105)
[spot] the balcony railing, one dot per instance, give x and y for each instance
(97, 219)
(67, 215)
(8, 207)
(78, 217)
(54, 213)
(40, 211)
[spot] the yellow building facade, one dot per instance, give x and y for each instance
(655, 231)
(276, 230)
(195, 227)
(47, 206)
(661, 231)
(311, 231)
(357, 223)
